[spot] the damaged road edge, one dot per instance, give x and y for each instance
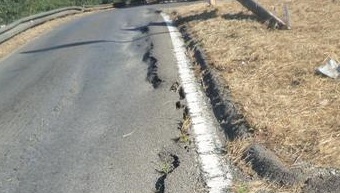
(215, 170)
(169, 162)
(152, 74)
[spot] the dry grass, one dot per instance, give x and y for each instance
(185, 127)
(236, 150)
(261, 186)
(272, 76)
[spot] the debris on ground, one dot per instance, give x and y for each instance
(330, 69)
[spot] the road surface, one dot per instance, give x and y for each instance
(78, 114)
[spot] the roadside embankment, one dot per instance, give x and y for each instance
(279, 116)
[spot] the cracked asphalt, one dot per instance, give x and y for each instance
(77, 113)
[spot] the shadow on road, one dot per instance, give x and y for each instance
(76, 44)
(145, 28)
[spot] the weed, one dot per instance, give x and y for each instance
(184, 138)
(184, 127)
(166, 168)
(168, 163)
(242, 189)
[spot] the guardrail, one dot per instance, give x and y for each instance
(23, 24)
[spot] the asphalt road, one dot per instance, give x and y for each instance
(77, 113)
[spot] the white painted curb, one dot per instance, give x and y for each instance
(216, 172)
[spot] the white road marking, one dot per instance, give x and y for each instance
(216, 172)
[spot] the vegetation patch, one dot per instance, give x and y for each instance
(11, 10)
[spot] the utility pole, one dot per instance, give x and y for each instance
(263, 14)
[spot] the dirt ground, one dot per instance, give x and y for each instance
(30, 34)
(271, 73)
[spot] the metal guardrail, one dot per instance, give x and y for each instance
(23, 24)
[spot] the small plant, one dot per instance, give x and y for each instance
(168, 162)
(184, 127)
(184, 138)
(165, 168)
(243, 189)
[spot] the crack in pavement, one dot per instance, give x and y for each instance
(169, 162)
(152, 73)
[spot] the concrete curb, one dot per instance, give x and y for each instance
(23, 24)
(262, 160)
(215, 170)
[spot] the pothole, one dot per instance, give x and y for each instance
(160, 184)
(168, 163)
(152, 73)
(174, 87)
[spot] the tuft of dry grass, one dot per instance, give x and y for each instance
(185, 130)
(257, 186)
(236, 150)
(271, 73)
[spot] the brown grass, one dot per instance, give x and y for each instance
(261, 186)
(236, 150)
(271, 73)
